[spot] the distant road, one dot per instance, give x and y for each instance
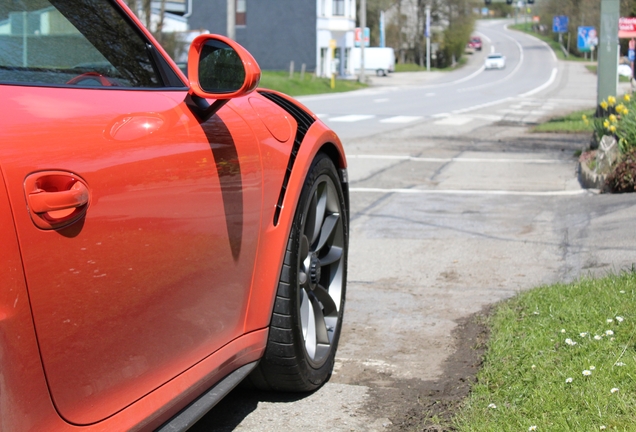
(530, 67)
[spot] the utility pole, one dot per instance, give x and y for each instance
(231, 19)
(363, 26)
(608, 50)
(428, 38)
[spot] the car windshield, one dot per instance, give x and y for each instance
(494, 56)
(55, 41)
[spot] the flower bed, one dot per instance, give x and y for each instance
(615, 130)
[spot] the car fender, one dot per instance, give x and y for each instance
(268, 267)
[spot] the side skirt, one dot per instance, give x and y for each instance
(197, 409)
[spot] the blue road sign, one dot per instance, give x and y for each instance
(586, 39)
(631, 55)
(560, 24)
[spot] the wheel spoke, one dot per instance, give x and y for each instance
(321, 207)
(334, 255)
(320, 328)
(327, 230)
(310, 221)
(329, 307)
(304, 312)
(311, 336)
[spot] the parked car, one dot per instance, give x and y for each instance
(495, 61)
(381, 61)
(163, 237)
(475, 43)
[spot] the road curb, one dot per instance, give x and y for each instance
(591, 180)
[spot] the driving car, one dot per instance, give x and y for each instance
(495, 61)
(164, 237)
(475, 43)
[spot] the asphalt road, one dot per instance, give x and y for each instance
(530, 66)
(455, 206)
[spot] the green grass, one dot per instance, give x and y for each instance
(571, 123)
(280, 81)
(413, 67)
(528, 360)
(556, 47)
(593, 69)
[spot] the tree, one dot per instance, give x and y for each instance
(452, 22)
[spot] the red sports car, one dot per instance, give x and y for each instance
(475, 43)
(163, 236)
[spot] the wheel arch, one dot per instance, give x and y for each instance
(319, 138)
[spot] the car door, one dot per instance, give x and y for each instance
(137, 224)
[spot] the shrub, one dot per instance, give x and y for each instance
(623, 177)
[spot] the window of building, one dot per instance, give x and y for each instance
(241, 7)
(338, 7)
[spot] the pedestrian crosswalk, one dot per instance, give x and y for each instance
(516, 110)
(352, 118)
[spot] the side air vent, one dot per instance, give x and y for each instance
(304, 121)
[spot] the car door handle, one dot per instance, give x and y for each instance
(56, 199)
(41, 201)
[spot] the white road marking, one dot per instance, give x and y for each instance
(351, 118)
(429, 94)
(462, 159)
(440, 115)
(454, 121)
(322, 116)
(401, 119)
(543, 86)
(381, 100)
(488, 117)
(474, 192)
(485, 105)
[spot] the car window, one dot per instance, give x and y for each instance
(72, 42)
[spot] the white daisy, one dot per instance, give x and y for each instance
(619, 319)
(568, 380)
(609, 333)
(584, 334)
(614, 390)
(586, 373)
(570, 342)
(597, 337)
(492, 405)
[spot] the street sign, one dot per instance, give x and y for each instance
(357, 36)
(626, 28)
(631, 55)
(536, 19)
(586, 39)
(560, 24)
(627, 24)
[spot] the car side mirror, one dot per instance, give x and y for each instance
(221, 69)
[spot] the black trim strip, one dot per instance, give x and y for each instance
(197, 409)
(304, 121)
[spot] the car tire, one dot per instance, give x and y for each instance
(308, 311)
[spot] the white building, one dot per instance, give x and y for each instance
(336, 21)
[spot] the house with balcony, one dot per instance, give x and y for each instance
(278, 32)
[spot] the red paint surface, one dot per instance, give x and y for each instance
(164, 282)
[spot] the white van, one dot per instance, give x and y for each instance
(378, 60)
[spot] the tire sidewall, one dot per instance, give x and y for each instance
(316, 374)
